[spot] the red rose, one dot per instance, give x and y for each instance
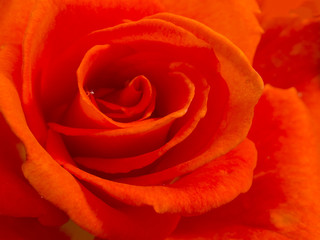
(131, 117)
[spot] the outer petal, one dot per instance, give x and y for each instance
(14, 15)
(244, 86)
(92, 213)
(27, 229)
(287, 180)
(310, 94)
(17, 197)
(234, 19)
(201, 230)
(210, 186)
(283, 202)
(274, 12)
(289, 56)
(55, 26)
(60, 187)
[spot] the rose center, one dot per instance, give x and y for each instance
(135, 101)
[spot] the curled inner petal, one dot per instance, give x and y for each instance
(135, 102)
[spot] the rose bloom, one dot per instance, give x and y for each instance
(147, 119)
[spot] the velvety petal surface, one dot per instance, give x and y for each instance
(82, 206)
(216, 183)
(275, 13)
(283, 202)
(12, 228)
(289, 55)
(234, 19)
(233, 115)
(234, 124)
(61, 24)
(222, 166)
(14, 16)
(17, 197)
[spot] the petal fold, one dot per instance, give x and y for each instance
(236, 20)
(283, 201)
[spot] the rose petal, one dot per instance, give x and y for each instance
(289, 151)
(59, 187)
(214, 184)
(18, 198)
(244, 88)
(239, 110)
(274, 12)
(234, 19)
(143, 24)
(134, 102)
(284, 197)
(84, 113)
(169, 46)
(206, 229)
(196, 111)
(289, 56)
(310, 95)
(140, 138)
(14, 16)
(71, 19)
(27, 229)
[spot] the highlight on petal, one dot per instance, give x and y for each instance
(234, 19)
(283, 202)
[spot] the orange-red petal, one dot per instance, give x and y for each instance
(53, 27)
(210, 186)
(289, 55)
(283, 202)
(244, 87)
(14, 16)
(208, 229)
(275, 12)
(234, 19)
(17, 198)
(58, 186)
(12, 228)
